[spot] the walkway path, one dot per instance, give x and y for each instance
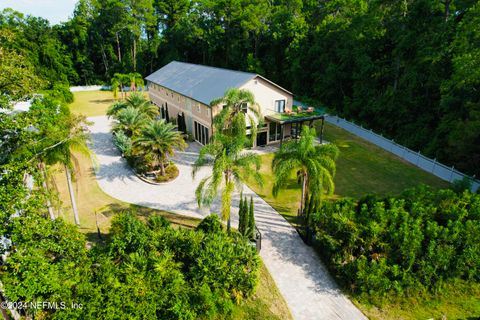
(301, 277)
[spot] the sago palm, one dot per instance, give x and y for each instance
(158, 140)
(231, 120)
(130, 121)
(314, 164)
(227, 168)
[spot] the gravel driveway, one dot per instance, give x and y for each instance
(300, 276)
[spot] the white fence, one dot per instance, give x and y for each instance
(104, 87)
(89, 88)
(449, 174)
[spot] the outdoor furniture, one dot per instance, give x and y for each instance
(299, 109)
(310, 109)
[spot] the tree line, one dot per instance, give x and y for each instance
(409, 69)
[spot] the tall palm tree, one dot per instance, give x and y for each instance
(158, 140)
(228, 164)
(130, 121)
(76, 140)
(231, 120)
(315, 165)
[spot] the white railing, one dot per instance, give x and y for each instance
(432, 166)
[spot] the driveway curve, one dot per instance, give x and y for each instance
(299, 274)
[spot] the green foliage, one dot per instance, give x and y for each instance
(402, 245)
(250, 229)
(314, 164)
(243, 216)
(61, 93)
(210, 224)
(157, 141)
(228, 165)
(123, 143)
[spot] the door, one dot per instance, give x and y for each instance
(261, 139)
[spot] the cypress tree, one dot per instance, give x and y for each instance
(241, 216)
(251, 220)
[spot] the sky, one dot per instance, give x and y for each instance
(55, 11)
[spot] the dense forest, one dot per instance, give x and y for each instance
(408, 69)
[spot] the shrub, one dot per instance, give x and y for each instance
(416, 241)
(210, 224)
(123, 143)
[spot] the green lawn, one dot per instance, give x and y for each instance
(267, 302)
(92, 103)
(362, 168)
(459, 301)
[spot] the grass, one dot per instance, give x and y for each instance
(362, 168)
(91, 199)
(267, 302)
(456, 301)
(92, 103)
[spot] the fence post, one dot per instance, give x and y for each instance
(393, 145)
(418, 158)
(404, 151)
(451, 174)
(434, 163)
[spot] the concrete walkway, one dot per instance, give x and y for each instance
(300, 276)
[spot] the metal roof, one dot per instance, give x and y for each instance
(201, 83)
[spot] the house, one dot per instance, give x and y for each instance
(184, 90)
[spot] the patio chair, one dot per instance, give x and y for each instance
(310, 109)
(299, 109)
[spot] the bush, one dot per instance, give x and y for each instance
(123, 143)
(413, 242)
(171, 172)
(210, 224)
(61, 92)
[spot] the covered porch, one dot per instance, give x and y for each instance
(288, 125)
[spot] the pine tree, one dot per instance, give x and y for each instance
(251, 220)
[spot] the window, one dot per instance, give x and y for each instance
(280, 106)
(244, 107)
(198, 108)
(275, 131)
(201, 133)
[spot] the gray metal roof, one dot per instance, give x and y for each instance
(201, 83)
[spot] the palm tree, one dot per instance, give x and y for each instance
(76, 140)
(228, 165)
(130, 121)
(119, 80)
(115, 84)
(136, 80)
(137, 101)
(315, 165)
(158, 139)
(231, 119)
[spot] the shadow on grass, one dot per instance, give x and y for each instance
(102, 101)
(176, 220)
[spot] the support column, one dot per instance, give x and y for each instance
(321, 130)
(281, 135)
